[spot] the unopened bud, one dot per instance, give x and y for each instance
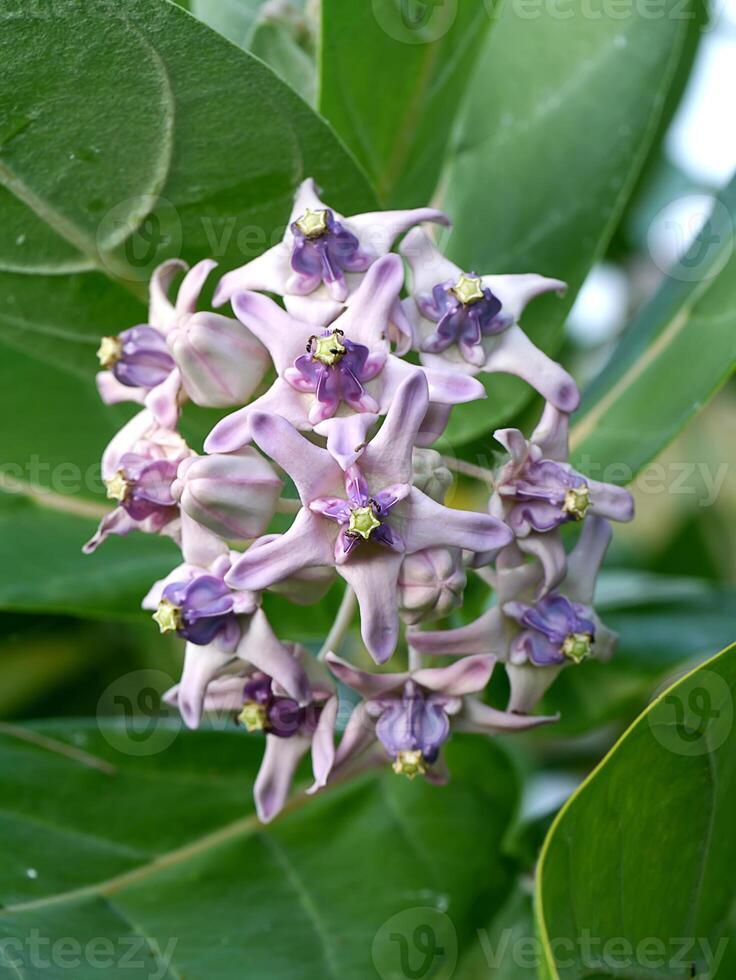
(431, 476)
(431, 584)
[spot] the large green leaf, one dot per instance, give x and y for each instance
(392, 74)
(45, 570)
(129, 134)
(119, 843)
(560, 117)
(677, 352)
(635, 876)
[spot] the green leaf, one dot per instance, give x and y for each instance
(120, 145)
(277, 43)
(44, 570)
(635, 875)
(560, 118)
(675, 355)
(103, 840)
(234, 19)
(392, 89)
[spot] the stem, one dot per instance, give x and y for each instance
(468, 469)
(343, 622)
(286, 505)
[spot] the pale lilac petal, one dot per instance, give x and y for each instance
(485, 635)
(201, 665)
(375, 581)
(199, 546)
(429, 524)
(323, 745)
(453, 388)
(485, 720)
(317, 309)
(273, 782)
(465, 676)
(284, 337)
(308, 542)
(516, 291)
(428, 266)
(434, 424)
(388, 455)
(267, 273)
(551, 434)
(367, 684)
(586, 558)
(367, 318)
(224, 696)
(402, 331)
(358, 735)
(609, 501)
(513, 353)
(378, 230)
(314, 472)
(113, 392)
(163, 401)
(549, 550)
(124, 441)
(260, 647)
(117, 522)
(192, 285)
(514, 443)
(234, 431)
(529, 683)
(161, 311)
(347, 437)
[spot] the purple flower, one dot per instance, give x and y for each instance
(411, 713)
(199, 610)
(555, 630)
(465, 312)
(470, 322)
(365, 531)
(537, 491)
(139, 467)
(558, 629)
(323, 250)
(292, 726)
(180, 353)
(346, 368)
(322, 260)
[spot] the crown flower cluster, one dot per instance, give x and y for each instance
(338, 390)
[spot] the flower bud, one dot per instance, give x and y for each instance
(431, 584)
(220, 361)
(234, 496)
(431, 476)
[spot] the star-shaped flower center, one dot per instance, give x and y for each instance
(312, 224)
(254, 716)
(409, 763)
(168, 617)
(363, 522)
(577, 646)
(118, 487)
(109, 352)
(468, 289)
(577, 502)
(327, 350)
